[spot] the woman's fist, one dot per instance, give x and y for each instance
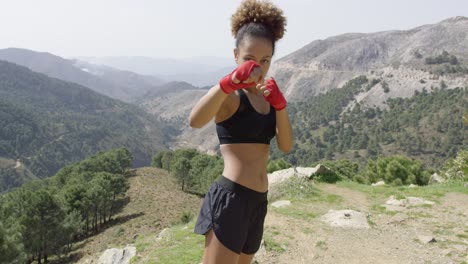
(273, 95)
(246, 75)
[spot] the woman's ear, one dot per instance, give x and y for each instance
(236, 55)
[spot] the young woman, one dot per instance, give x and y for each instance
(249, 111)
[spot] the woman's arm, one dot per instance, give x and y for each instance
(245, 75)
(207, 107)
(284, 134)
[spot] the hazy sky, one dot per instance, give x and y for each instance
(184, 28)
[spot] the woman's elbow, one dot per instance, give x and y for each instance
(285, 148)
(194, 124)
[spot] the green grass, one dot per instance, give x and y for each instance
(382, 210)
(297, 210)
(273, 245)
(321, 244)
(429, 192)
(178, 245)
(119, 232)
(301, 190)
(370, 221)
(419, 215)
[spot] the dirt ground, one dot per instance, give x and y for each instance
(393, 237)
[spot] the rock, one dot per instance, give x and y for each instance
(417, 201)
(398, 218)
(117, 255)
(305, 171)
(392, 201)
(427, 239)
(393, 204)
(412, 186)
(281, 203)
(320, 169)
(163, 234)
(466, 185)
(436, 178)
(380, 183)
(346, 218)
(281, 175)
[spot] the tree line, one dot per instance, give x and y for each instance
(43, 218)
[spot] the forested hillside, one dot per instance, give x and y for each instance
(428, 126)
(47, 123)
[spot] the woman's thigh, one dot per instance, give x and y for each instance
(245, 259)
(216, 253)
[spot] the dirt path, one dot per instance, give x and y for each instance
(353, 199)
(394, 237)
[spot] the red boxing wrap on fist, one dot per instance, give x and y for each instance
(242, 73)
(275, 98)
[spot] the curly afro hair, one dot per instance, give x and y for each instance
(258, 18)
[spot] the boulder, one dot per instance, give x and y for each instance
(320, 169)
(281, 203)
(281, 175)
(305, 172)
(393, 204)
(380, 183)
(117, 255)
(436, 178)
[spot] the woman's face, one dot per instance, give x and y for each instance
(259, 50)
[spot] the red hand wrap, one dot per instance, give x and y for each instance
(275, 98)
(242, 73)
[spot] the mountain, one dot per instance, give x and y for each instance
(199, 71)
(331, 83)
(396, 57)
(118, 84)
(172, 103)
(48, 123)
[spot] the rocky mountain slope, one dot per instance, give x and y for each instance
(172, 103)
(397, 57)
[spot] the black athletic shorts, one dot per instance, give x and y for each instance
(236, 214)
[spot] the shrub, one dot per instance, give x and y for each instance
(457, 168)
(186, 217)
(344, 169)
(397, 170)
(279, 164)
(330, 177)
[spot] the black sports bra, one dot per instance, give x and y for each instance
(247, 125)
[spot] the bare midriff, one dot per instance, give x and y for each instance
(245, 164)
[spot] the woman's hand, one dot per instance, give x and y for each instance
(272, 94)
(246, 75)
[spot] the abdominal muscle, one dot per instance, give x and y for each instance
(245, 164)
